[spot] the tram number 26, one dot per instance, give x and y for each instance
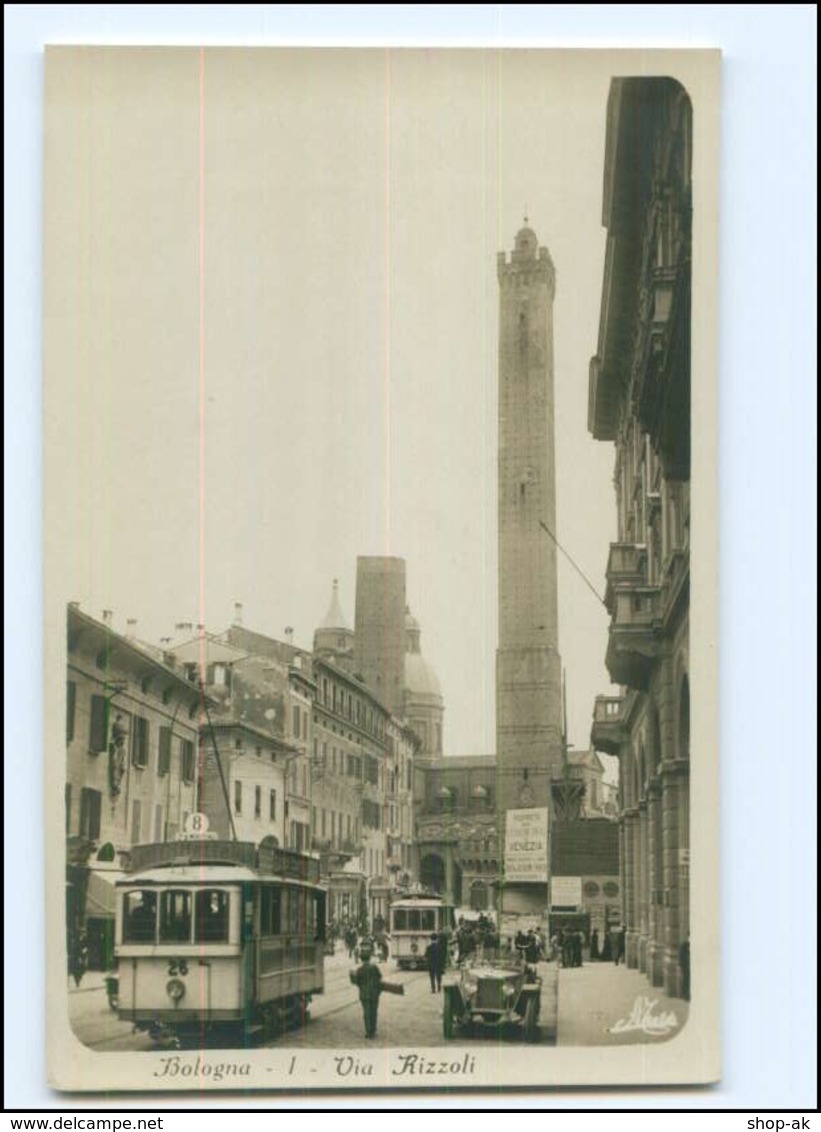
(177, 967)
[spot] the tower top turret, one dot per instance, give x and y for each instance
(527, 258)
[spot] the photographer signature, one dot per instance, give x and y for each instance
(642, 1018)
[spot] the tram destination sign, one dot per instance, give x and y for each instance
(526, 846)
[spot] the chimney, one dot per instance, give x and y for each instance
(108, 614)
(289, 634)
(237, 612)
(131, 628)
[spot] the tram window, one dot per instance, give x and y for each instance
(175, 916)
(414, 920)
(270, 911)
(294, 911)
(139, 916)
(400, 920)
(211, 916)
(428, 920)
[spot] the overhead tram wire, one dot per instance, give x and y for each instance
(219, 761)
(575, 566)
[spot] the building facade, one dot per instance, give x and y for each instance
(242, 784)
(132, 731)
(458, 840)
(639, 400)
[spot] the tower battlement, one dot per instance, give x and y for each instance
(528, 261)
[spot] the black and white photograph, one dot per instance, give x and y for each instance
(380, 453)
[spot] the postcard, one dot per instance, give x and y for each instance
(380, 456)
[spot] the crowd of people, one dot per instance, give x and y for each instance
(475, 935)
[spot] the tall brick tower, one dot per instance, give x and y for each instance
(528, 667)
(379, 645)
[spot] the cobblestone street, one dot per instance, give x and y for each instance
(412, 1019)
(597, 1004)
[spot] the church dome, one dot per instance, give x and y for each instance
(420, 678)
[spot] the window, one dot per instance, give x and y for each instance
(270, 918)
(211, 916)
(136, 818)
(257, 801)
(175, 916)
(68, 807)
(164, 756)
(71, 708)
(158, 830)
(400, 920)
(187, 759)
(272, 806)
(237, 797)
(296, 722)
(305, 725)
(98, 730)
(91, 802)
(139, 748)
(139, 916)
(371, 815)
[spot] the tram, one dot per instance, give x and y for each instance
(413, 919)
(219, 940)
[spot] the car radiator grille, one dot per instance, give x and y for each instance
(489, 996)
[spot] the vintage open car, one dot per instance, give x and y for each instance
(493, 988)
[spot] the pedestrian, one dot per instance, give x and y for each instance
(368, 978)
(618, 946)
(79, 960)
(433, 957)
(444, 947)
(594, 944)
(531, 948)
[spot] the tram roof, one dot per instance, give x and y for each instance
(258, 861)
(207, 876)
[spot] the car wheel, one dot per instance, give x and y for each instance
(531, 1014)
(447, 1016)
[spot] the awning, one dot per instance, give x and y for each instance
(101, 894)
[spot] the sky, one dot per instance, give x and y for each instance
(271, 309)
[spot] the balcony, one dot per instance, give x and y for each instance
(626, 566)
(634, 638)
(608, 732)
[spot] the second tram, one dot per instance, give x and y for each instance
(413, 919)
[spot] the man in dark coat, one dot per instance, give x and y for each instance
(368, 978)
(594, 944)
(618, 945)
(444, 947)
(433, 958)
